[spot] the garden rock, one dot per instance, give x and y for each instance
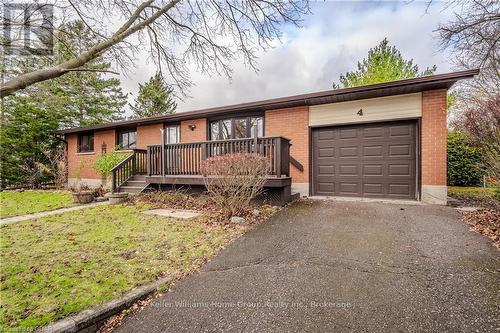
(255, 212)
(101, 199)
(238, 220)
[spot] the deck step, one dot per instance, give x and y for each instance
(135, 183)
(139, 177)
(131, 189)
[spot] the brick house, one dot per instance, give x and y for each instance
(383, 140)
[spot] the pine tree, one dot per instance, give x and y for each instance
(154, 99)
(384, 63)
(75, 99)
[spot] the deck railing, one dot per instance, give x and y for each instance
(130, 166)
(186, 158)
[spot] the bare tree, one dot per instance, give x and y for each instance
(208, 33)
(473, 37)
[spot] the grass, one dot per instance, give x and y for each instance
(58, 265)
(20, 203)
(473, 192)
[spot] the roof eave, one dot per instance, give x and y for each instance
(439, 81)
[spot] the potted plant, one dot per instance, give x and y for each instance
(81, 193)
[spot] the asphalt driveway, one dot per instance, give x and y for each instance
(337, 267)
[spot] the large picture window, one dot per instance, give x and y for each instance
(236, 128)
(86, 143)
(127, 138)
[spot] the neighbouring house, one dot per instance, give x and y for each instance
(384, 140)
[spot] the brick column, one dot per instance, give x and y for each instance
(434, 133)
(293, 123)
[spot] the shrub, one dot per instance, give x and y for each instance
(463, 161)
(233, 180)
(104, 162)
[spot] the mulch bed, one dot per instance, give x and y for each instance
(486, 222)
(203, 203)
(486, 219)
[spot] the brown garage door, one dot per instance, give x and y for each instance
(369, 160)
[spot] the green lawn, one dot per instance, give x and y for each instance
(20, 203)
(58, 265)
(477, 192)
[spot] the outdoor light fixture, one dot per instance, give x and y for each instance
(104, 146)
(192, 127)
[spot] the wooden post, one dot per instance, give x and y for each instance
(255, 139)
(278, 156)
(162, 162)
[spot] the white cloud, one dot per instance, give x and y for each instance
(331, 41)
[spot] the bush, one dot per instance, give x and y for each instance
(233, 180)
(463, 161)
(104, 162)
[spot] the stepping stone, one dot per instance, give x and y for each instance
(177, 213)
(468, 209)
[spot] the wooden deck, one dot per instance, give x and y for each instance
(180, 164)
(198, 180)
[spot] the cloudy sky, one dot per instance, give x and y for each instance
(333, 38)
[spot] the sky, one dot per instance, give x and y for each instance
(332, 39)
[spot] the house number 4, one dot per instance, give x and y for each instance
(360, 112)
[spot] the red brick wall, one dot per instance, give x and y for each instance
(434, 137)
(149, 135)
(85, 161)
(292, 123)
(198, 134)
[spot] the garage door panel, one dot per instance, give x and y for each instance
(373, 151)
(326, 170)
(348, 133)
(348, 170)
(400, 150)
(349, 151)
(349, 188)
(373, 132)
(373, 169)
(326, 188)
(399, 170)
(371, 160)
(373, 189)
(401, 131)
(399, 189)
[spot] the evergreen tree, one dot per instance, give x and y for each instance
(88, 97)
(154, 99)
(29, 118)
(384, 63)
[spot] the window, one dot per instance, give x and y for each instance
(236, 128)
(172, 134)
(127, 138)
(86, 143)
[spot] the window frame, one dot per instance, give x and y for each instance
(233, 119)
(91, 142)
(165, 132)
(119, 132)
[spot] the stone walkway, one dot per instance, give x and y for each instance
(20, 218)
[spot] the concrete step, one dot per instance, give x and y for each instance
(294, 196)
